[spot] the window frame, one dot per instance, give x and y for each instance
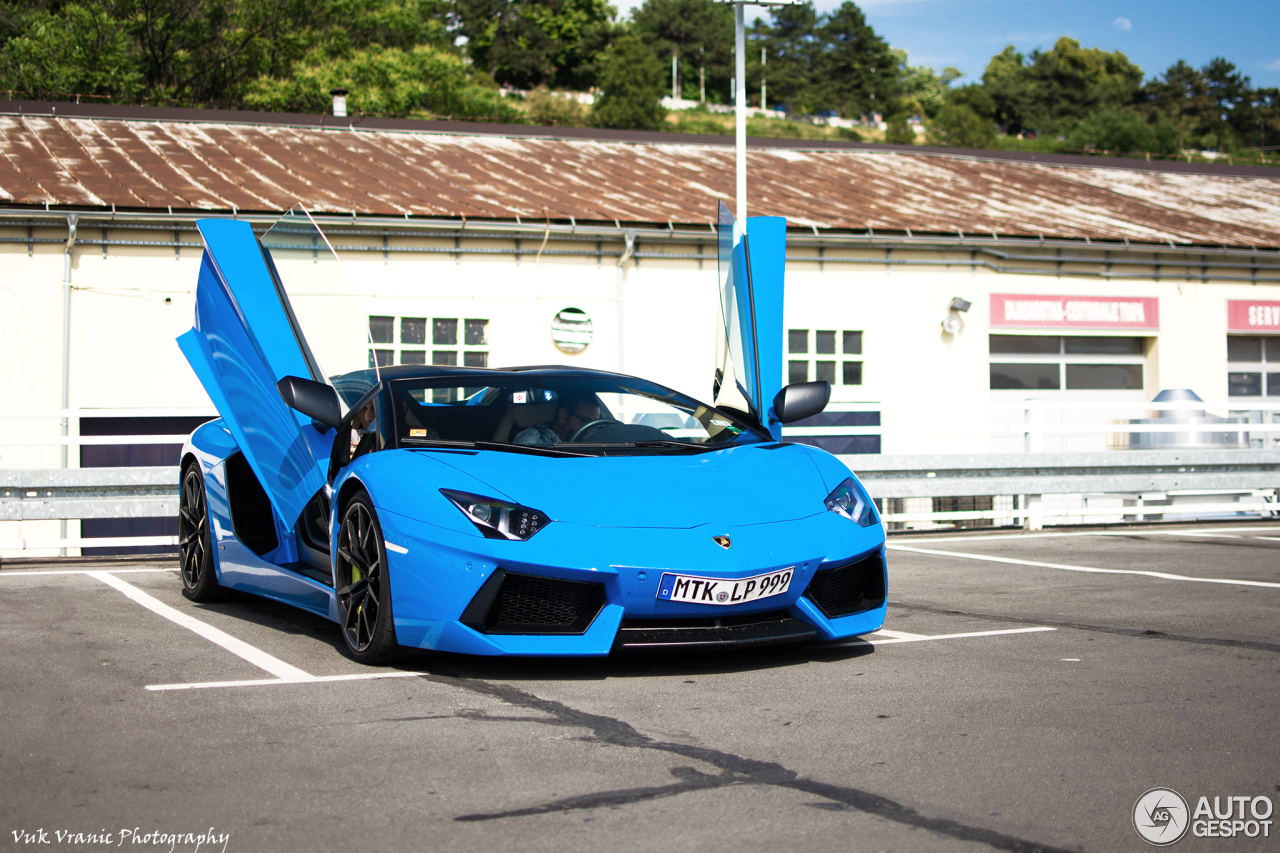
(833, 361)
(1267, 369)
(1062, 359)
(396, 349)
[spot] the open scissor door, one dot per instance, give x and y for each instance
(748, 369)
(280, 305)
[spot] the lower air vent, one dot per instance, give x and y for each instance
(851, 588)
(751, 629)
(527, 604)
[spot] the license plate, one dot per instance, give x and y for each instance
(720, 591)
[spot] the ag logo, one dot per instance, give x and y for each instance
(722, 541)
(1160, 816)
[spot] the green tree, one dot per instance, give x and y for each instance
(1052, 90)
(790, 40)
(423, 81)
(966, 119)
(1211, 107)
(528, 43)
(81, 51)
(925, 87)
(631, 87)
(698, 33)
(856, 72)
(197, 52)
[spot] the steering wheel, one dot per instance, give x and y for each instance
(591, 425)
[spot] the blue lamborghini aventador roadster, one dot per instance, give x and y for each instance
(514, 511)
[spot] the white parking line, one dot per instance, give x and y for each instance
(987, 558)
(200, 685)
(919, 638)
(996, 537)
(897, 635)
(253, 655)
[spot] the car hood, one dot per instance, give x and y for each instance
(737, 486)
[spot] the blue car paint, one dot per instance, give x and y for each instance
(749, 484)
(767, 236)
(241, 345)
(448, 560)
(619, 521)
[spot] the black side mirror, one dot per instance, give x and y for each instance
(801, 400)
(315, 399)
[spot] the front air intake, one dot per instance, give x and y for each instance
(854, 587)
(528, 604)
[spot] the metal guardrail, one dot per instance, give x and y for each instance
(1118, 471)
(1137, 485)
(40, 494)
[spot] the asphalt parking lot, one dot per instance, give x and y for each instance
(1027, 690)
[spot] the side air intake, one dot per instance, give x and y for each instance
(854, 587)
(511, 603)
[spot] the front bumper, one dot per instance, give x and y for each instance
(447, 586)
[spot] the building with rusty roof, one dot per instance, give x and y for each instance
(919, 280)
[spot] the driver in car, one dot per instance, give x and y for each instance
(572, 414)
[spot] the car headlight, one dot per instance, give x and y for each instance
(852, 501)
(498, 519)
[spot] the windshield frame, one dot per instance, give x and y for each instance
(618, 384)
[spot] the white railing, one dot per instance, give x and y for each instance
(1034, 421)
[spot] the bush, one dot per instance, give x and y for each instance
(631, 88)
(960, 125)
(558, 109)
(898, 130)
(1124, 131)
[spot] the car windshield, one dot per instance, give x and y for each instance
(558, 415)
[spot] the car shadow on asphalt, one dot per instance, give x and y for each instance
(683, 662)
(678, 662)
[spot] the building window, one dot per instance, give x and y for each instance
(1253, 366)
(1066, 362)
(405, 341)
(413, 330)
(825, 366)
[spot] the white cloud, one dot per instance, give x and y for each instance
(1124, 25)
(1272, 66)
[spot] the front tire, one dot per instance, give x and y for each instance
(364, 589)
(195, 545)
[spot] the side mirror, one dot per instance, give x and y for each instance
(801, 400)
(314, 399)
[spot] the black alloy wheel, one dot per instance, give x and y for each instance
(199, 579)
(364, 590)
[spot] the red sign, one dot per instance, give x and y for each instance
(1075, 312)
(1247, 316)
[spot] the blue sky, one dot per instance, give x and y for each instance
(1152, 33)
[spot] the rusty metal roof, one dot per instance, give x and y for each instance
(215, 162)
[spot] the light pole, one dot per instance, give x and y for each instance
(740, 99)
